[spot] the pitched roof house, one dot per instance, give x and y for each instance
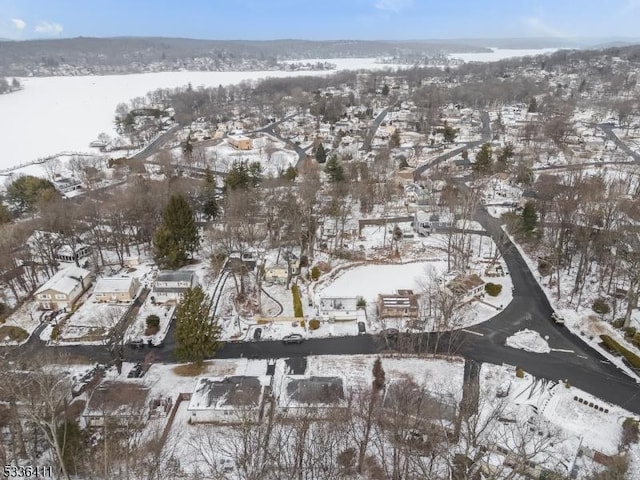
(64, 288)
(169, 286)
(115, 289)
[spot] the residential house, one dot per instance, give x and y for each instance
(115, 289)
(425, 223)
(339, 309)
(277, 273)
(301, 393)
(121, 403)
(169, 286)
(64, 288)
(240, 142)
(68, 254)
(466, 287)
(67, 184)
(227, 399)
(402, 304)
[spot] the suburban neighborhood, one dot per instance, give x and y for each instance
(415, 271)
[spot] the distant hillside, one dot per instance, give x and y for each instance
(80, 56)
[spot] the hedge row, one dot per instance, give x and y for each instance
(297, 303)
(631, 357)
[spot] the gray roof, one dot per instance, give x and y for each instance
(328, 390)
(174, 276)
(231, 391)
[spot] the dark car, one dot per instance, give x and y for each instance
(361, 327)
(136, 371)
(390, 332)
(135, 344)
(293, 338)
(257, 334)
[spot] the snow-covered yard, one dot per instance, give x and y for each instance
(137, 328)
(91, 322)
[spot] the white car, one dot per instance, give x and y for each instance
(557, 318)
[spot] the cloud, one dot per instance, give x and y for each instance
(540, 27)
(48, 28)
(18, 23)
(393, 5)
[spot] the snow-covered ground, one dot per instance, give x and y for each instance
(528, 340)
(574, 414)
(55, 114)
(581, 321)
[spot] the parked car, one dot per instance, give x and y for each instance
(136, 372)
(390, 332)
(257, 334)
(135, 344)
(556, 317)
(293, 338)
(361, 327)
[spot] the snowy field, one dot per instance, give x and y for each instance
(56, 114)
(370, 280)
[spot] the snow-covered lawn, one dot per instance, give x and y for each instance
(368, 281)
(26, 317)
(575, 418)
(91, 323)
(136, 330)
(529, 341)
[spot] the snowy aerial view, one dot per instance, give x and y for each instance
(372, 240)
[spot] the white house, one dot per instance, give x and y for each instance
(115, 289)
(338, 309)
(64, 288)
(170, 285)
(227, 399)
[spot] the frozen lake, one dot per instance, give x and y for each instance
(501, 54)
(56, 114)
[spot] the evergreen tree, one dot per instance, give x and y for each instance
(321, 155)
(196, 334)
(177, 237)
(334, 170)
(5, 214)
(483, 159)
(385, 90)
(238, 176)
(290, 174)
(449, 133)
(26, 191)
(378, 375)
(506, 153)
(255, 173)
(209, 203)
(242, 175)
(529, 217)
(394, 140)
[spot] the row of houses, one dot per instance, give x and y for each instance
(242, 398)
(64, 288)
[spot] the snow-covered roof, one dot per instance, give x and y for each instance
(113, 284)
(227, 393)
(303, 390)
(64, 281)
